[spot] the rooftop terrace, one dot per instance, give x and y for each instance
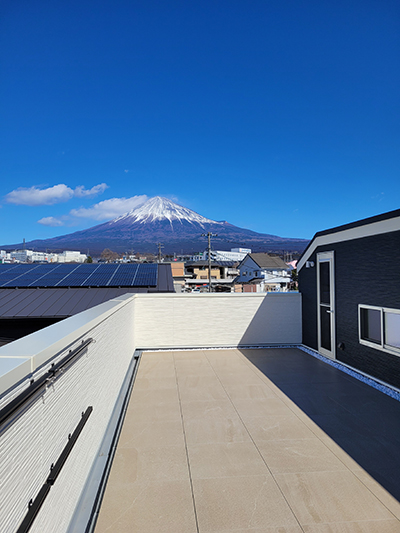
(215, 439)
(253, 441)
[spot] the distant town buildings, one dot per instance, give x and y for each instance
(31, 256)
(236, 255)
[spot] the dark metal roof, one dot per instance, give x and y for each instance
(213, 263)
(53, 303)
(63, 302)
(265, 260)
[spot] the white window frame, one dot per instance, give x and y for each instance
(382, 346)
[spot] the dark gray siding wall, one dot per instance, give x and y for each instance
(308, 288)
(367, 271)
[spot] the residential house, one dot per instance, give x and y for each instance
(349, 280)
(223, 273)
(265, 272)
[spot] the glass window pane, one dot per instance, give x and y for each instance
(371, 325)
(324, 283)
(392, 329)
(325, 328)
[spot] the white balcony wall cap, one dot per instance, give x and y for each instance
(25, 355)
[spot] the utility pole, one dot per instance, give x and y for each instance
(209, 235)
(159, 251)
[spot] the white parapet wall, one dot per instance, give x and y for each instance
(35, 439)
(206, 320)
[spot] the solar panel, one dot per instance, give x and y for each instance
(8, 272)
(147, 275)
(101, 276)
(22, 276)
(76, 276)
(124, 276)
(82, 275)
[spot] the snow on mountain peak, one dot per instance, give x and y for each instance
(159, 208)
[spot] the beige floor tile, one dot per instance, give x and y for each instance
(229, 504)
(160, 463)
(208, 409)
(194, 388)
(320, 497)
(158, 356)
(156, 370)
(225, 460)
(249, 391)
(255, 407)
(153, 397)
(194, 381)
(346, 459)
(155, 411)
(188, 354)
(213, 430)
(223, 353)
(155, 404)
(375, 526)
(278, 529)
(227, 363)
(153, 507)
(232, 378)
(150, 383)
(189, 369)
(299, 455)
(141, 434)
(382, 494)
(277, 427)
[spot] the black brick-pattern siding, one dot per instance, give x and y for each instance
(367, 271)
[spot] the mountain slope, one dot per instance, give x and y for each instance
(161, 220)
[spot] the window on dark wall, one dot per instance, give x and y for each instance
(324, 282)
(379, 327)
(371, 325)
(392, 329)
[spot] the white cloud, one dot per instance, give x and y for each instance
(52, 195)
(81, 192)
(34, 196)
(51, 221)
(108, 209)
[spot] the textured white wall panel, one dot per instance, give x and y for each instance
(188, 320)
(37, 438)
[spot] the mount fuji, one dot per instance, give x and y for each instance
(178, 228)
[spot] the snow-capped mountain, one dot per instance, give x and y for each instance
(178, 228)
(159, 208)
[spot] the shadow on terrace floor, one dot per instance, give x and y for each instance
(364, 422)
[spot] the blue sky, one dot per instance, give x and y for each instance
(278, 116)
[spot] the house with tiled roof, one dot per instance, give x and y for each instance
(266, 272)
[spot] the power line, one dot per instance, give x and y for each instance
(159, 251)
(209, 235)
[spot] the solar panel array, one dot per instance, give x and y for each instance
(82, 275)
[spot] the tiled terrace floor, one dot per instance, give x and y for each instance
(253, 441)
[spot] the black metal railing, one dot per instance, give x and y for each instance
(36, 387)
(35, 505)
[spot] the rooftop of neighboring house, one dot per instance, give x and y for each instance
(214, 264)
(264, 260)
